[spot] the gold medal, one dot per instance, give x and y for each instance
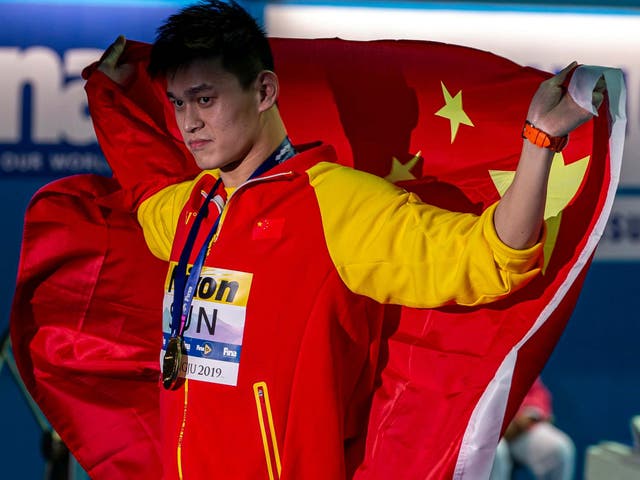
(174, 356)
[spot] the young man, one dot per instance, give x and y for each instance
(279, 261)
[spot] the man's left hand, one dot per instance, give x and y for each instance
(552, 109)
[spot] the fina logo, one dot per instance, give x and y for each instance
(45, 126)
(207, 349)
(227, 352)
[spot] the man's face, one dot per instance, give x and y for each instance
(219, 120)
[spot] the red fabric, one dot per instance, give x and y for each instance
(373, 101)
(79, 325)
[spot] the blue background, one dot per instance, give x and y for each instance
(592, 373)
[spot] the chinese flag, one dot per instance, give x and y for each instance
(441, 120)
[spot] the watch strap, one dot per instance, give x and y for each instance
(543, 139)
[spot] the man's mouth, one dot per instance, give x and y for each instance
(197, 144)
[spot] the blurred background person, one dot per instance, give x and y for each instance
(532, 441)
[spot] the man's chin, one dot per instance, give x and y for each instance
(210, 162)
(205, 163)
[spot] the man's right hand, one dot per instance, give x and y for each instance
(108, 64)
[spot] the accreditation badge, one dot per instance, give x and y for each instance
(214, 328)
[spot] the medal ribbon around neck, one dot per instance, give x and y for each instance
(185, 285)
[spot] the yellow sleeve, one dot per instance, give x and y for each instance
(158, 215)
(388, 245)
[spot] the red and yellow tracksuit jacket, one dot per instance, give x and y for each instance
(284, 331)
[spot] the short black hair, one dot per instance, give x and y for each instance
(208, 30)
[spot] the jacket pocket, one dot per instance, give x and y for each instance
(267, 430)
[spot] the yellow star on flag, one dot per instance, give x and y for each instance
(564, 182)
(400, 171)
(453, 111)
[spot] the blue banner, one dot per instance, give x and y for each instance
(45, 128)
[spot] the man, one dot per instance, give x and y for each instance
(272, 305)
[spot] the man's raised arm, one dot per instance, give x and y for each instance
(519, 214)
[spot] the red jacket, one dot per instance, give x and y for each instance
(309, 347)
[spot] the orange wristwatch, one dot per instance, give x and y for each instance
(543, 139)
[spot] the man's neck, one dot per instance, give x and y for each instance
(238, 173)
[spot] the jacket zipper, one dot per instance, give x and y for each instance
(182, 427)
(267, 430)
(260, 391)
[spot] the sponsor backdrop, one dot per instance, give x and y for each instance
(45, 133)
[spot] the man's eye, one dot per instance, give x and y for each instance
(177, 103)
(204, 100)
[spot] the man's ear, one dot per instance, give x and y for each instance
(268, 89)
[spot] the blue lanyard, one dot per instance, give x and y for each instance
(185, 285)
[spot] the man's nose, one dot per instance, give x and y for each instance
(192, 121)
